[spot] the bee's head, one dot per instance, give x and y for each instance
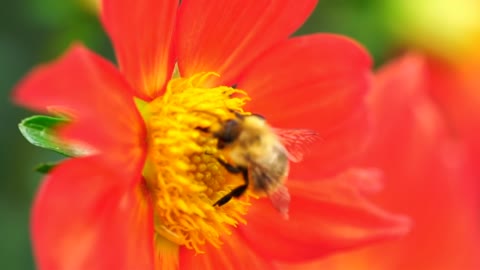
(228, 133)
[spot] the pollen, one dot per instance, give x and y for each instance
(182, 172)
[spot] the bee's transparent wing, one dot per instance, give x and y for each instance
(297, 141)
(264, 179)
(280, 199)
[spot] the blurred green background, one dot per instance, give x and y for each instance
(36, 31)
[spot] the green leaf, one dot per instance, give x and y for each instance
(45, 168)
(39, 131)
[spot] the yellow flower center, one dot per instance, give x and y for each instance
(182, 172)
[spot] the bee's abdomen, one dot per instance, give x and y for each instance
(269, 172)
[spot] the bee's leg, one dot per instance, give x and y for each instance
(229, 167)
(223, 200)
(238, 191)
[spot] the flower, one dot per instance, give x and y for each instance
(428, 173)
(144, 198)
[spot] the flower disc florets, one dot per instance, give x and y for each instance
(182, 172)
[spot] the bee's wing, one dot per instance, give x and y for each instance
(264, 178)
(296, 141)
(280, 199)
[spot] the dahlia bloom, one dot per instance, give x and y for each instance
(428, 172)
(143, 197)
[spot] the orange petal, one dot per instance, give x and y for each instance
(83, 219)
(99, 100)
(233, 254)
(316, 82)
(226, 36)
(325, 216)
(142, 34)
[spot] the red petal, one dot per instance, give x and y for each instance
(141, 34)
(233, 254)
(83, 220)
(428, 178)
(325, 216)
(457, 90)
(226, 36)
(99, 100)
(317, 82)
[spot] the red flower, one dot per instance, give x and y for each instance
(145, 199)
(427, 172)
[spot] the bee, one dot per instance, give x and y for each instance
(261, 154)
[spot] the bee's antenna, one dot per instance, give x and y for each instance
(237, 114)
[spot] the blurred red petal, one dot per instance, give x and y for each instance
(233, 254)
(317, 82)
(406, 121)
(426, 177)
(100, 101)
(142, 35)
(456, 88)
(83, 219)
(226, 36)
(325, 217)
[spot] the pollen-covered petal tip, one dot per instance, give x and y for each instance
(81, 219)
(320, 76)
(226, 36)
(233, 254)
(325, 216)
(142, 35)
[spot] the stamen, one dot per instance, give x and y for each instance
(182, 173)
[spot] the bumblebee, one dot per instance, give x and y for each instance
(259, 152)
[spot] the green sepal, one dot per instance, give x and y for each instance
(39, 130)
(45, 168)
